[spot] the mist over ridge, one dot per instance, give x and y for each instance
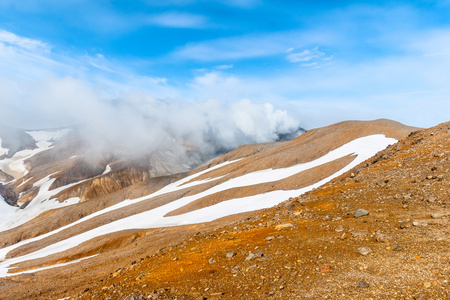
(136, 123)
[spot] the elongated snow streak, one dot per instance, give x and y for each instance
(51, 267)
(363, 148)
(14, 216)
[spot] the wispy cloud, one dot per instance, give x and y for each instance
(179, 20)
(11, 39)
(306, 55)
(254, 45)
(224, 67)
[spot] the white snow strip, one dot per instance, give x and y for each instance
(363, 148)
(3, 150)
(50, 267)
(107, 170)
(4, 264)
(43, 137)
(25, 181)
(14, 216)
(5, 209)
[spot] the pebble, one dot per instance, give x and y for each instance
(340, 228)
(212, 261)
(250, 256)
(364, 250)
(269, 238)
(431, 199)
(361, 213)
(437, 215)
(284, 226)
(404, 225)
(397, 248)
(420, 223)
(230, 254)
(383, 238)
(363, 284)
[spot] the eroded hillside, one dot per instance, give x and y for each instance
(106, 252)
(314, 246)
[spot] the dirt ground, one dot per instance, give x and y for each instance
(311, 247)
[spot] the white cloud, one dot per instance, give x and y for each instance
(118, 109)
(224, 67)
(251, 46)
(305, 56)
(10, 38)
(179, 20)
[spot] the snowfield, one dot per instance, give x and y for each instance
(15, 166)
(14, 216)
(362, 149)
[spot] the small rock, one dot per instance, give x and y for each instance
(420, 223)
(212, 261)
(361, 213)
(269, 238)
(427, 285)
(437, 215)
(420, 296)
(284, 226)
(259, 254)
(397, 248)
(231, 254)
(340, 228)
(431, 199)
(250, 256)
(364, 250)
(383, 238)
(363, 284)
(404, 225)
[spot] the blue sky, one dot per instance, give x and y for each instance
(320, 61)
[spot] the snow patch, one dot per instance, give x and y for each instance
(14, 217)
(107, 170)
(49, 267)
(3, 151)
(15, 166)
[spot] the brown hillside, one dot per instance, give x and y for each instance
(173, 262)
(310, 246)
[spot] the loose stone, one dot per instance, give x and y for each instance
(361, 213)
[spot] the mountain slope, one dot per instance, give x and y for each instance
(223, 188)
(313, 246)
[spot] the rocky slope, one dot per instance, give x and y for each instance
(105, 259)
(380, 231)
